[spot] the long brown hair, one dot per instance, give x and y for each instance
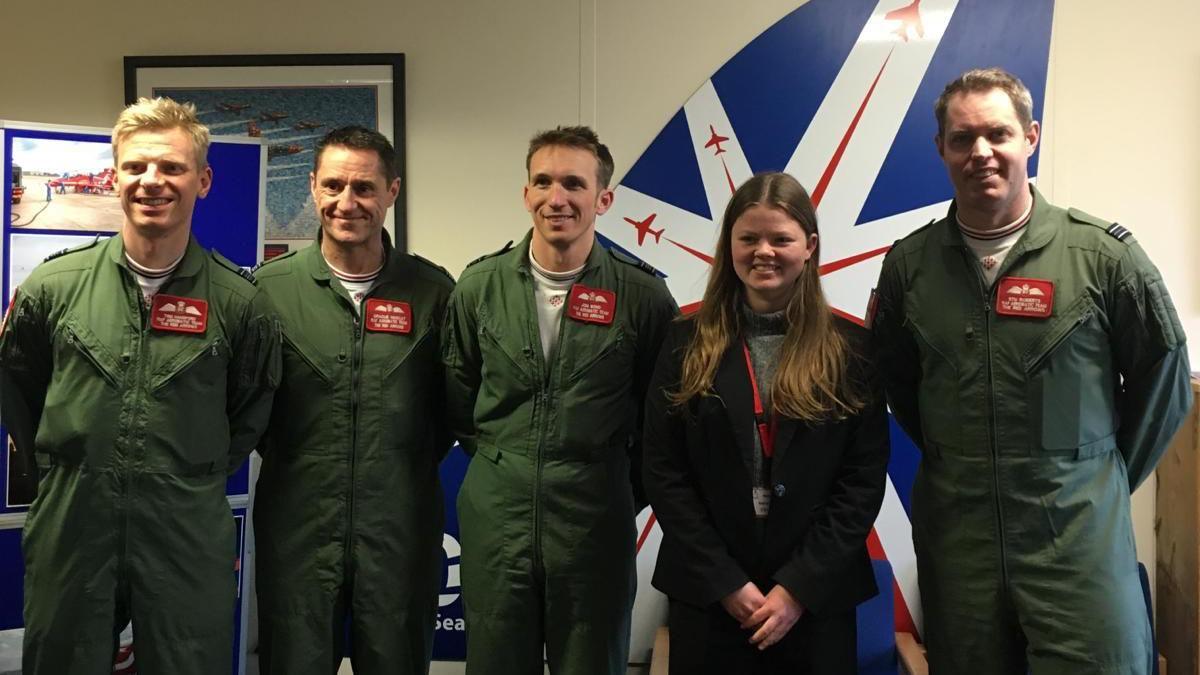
(811, 381)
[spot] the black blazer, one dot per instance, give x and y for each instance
(827, 484)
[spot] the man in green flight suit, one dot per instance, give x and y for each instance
(348, 513)
(139, 371)
(549, 348)
(1034, 356)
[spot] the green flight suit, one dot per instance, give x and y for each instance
(1033, 433)
(546, 510)
(348, 510)
(136, 430)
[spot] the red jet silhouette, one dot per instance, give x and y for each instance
(643, 226)
(716, 140)
(909, 16)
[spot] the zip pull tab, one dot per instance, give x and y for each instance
(70, 337)
(970, 335)
(215, 351)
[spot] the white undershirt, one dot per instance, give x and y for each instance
(357, 285)
(150, 280)
(991, 247)
(550, 296)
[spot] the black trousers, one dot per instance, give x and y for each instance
(707, 641)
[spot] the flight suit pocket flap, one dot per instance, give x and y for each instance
(491, 452)
(89, 346)
(1097, 448)
(191, 356)
(308, 355)
(405, 347)
(614, 343)
(1062, 329)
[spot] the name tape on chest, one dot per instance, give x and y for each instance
(591, 305)
(388, 316)
(178, 315)
(1018, 296)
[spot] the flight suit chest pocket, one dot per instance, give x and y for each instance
(401, 349)
(303, 361)
(196, 365)
(78, 342)
(1070, 379)
(940, 395)
(505, 354)
(600, 357)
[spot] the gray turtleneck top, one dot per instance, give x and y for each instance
(764, 336)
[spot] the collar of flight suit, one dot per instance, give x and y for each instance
(319, 269)
(520, 261)
(190, 266)
(1039, 232)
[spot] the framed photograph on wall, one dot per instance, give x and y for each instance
(291, 101)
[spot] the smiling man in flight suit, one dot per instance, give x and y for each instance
(1034, 356)
(139, 370)
(549, 348)
(348, 513)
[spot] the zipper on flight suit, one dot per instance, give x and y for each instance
(355, 376)
(987, 294)
(540, 404)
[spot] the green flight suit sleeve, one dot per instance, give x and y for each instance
(462, 362)
(254, 374)
(655, 321)
(671, 483)
(1150, 350)
(443, 430)
(894, 350)
(25, 365)
(840, 527)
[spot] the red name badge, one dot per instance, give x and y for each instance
(178, 315)
(1025, 297)
(591, 305)
(389, 316)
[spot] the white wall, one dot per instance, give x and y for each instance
(1119, 130)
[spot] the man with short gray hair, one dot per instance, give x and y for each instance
(348, 514)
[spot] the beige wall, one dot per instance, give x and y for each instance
(1120, 134)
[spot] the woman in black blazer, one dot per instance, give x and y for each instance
(766, 449)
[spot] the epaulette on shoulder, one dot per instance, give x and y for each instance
(268, 261)
(493, 254)
(630, 260)
(432, 264)
(919, 230)
(1114, 230)
(72, 249)
(233, 267)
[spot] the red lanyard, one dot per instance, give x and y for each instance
(766, 430)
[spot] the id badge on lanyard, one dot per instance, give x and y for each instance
(761, 496)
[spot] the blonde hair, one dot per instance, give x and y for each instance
(811, 381)
(161, 114)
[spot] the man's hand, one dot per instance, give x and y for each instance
(743, 602)
(774, 617)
